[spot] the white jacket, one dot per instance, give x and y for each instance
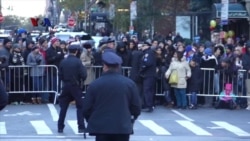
(183, 71)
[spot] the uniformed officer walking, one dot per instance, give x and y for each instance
(148, 74)
(112, 102)
(71, 72)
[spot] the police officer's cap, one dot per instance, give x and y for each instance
(111, 58)
(106, 40)
(146, 43)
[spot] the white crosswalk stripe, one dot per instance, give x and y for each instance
(157, 129)
(3, 130)
(193, 128)
(231, 128)
(73, 125)
(41, 127)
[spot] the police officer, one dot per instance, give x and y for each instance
(148, 74)
(112, 102)
(3, 93)
(71, 72)
(108, 42)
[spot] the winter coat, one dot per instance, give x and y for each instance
(246, 62)
(35, 60)
(125, 55)
(183, 71)
(148, 64)
(135, 65)
(196, 79)
(5, 53)
(16, 59)
(3, 96)
(87, 61)
(111, 104)
(53, 57)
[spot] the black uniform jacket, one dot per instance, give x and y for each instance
(71, 70)
(3, 96)
(110, 102)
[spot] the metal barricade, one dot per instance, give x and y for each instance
(214, 82)
(24, 79)
(37, 80)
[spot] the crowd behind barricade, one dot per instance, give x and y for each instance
(212, 74)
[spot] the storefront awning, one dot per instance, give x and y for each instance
(235, 11)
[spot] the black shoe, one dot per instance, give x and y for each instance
(60, 131)
(80, 130)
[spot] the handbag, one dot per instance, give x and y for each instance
(173, 79)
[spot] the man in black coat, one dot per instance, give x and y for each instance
(111, 103)
(136, 56)
(72, 73)
(54, 55)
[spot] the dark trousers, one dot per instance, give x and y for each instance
(225, 104)
(69, 93)
(149, 91)
(112, 137)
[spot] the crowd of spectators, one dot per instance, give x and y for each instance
(203, 68)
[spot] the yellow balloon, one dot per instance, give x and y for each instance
(212, 23)
(230, 33)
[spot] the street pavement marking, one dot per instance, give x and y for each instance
(182, 115)
(158, 130)
(193, 128)
(53, 112)
(73, 125)
(3, 130)
(41, 127)
(231, 128)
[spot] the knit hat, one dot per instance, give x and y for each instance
(188, 48)
(228, 86)
(208, 51)
(6, 40)
(53, 40)
(208, 44)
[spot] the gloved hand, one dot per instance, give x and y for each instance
(38, 61)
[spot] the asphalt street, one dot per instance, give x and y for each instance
(39, 123)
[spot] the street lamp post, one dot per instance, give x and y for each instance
(85, 15)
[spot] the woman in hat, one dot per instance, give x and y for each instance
(88, 61)
(16, 74)
(35, 59)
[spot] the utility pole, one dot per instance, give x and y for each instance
(85, 15)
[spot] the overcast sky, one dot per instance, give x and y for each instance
(24, 8)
